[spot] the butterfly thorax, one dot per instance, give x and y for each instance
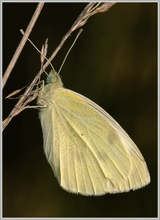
(46, 94)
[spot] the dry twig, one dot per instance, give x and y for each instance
(22, 43)
(90, 10)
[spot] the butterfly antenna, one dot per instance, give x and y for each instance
(43, 52)
(80, 31)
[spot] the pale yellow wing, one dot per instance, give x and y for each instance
(87, 149)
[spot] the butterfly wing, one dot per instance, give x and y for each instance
(87, 149)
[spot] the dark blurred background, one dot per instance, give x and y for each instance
(114, 63)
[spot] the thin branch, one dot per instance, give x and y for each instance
(90, 10)
(22, 43)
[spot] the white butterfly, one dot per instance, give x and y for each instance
(87, 149)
